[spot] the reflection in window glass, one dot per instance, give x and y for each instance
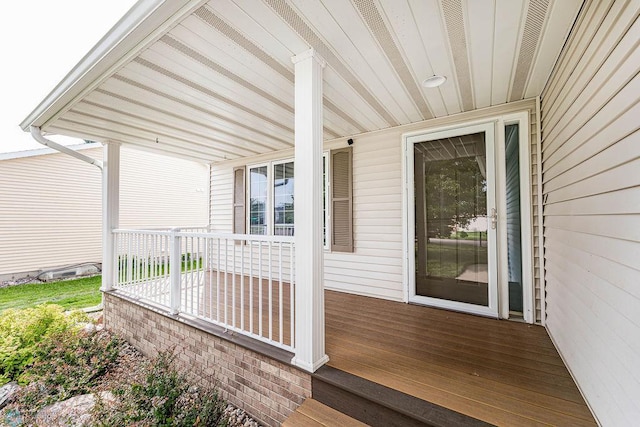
(258, 200)
(283, 185)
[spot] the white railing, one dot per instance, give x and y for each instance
(244, 283)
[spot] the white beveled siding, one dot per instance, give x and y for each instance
(50, 204)
(375, 268)
(159, 191)
(591, 184)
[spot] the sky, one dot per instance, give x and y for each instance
(41, 41)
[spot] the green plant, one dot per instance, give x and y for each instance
(21, 331)
(164, 397)
(70, 363)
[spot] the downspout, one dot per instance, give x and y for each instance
(36, 133)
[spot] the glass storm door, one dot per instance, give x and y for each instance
(453, 224)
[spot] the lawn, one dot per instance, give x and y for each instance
(71, 294)
(449, 261)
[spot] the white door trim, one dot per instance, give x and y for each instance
(489, 128)
(498, 122)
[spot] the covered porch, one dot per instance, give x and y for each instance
(420, 364)
(273, 85)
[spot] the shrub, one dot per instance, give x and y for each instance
(164, 397)
(70, 364)
(21, 331)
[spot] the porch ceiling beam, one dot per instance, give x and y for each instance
(309, 303)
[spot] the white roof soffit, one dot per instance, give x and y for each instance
(213, 80)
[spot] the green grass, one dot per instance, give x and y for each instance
(471, 235)
(450, 261)
(70, 294)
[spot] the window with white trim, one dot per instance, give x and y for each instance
(270, 189)
(270, 192)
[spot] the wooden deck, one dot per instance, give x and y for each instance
(314, 414)
(501, 372)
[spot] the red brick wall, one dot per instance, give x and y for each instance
(267, 389)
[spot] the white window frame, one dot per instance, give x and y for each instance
(270, 165)
(270, 195)
(327, 201)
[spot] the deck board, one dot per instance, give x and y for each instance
(501, 372)
(314, 414)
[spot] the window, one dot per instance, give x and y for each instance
(239, 209)
(258, 192)
(271, 205)
(283, 182)
(325, 199)
(271, 199)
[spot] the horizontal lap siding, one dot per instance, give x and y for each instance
(375, 266)
(591, 184)
(51, 211)
(161, 191)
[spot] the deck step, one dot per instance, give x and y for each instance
(377, 405)
(314, 414)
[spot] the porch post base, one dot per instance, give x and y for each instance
(310, 366)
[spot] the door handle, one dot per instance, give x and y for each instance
(494, 218)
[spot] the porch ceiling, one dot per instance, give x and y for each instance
(214, 80)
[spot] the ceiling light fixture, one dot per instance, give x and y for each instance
(434, 81)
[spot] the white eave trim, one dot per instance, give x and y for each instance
(44, 151)
(143, 24)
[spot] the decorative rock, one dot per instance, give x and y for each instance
(7, 391)
(89, 329)
(11, 418)
(239, 418)
(71, 412)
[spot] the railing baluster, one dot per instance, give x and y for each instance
(260, 299)
(251, 287)
(174, 271)
(242, 285)
(270, 317)
(233, 286)
(226, 280)
(280, 301)
(291, 296)
(199, 263)
(218, 283)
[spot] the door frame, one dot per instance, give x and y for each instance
(499, 304)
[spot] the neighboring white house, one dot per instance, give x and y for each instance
(51, 204)
(329, 113)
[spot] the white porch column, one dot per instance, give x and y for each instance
(110, 212)
(309, 293)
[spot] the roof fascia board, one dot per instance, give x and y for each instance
(45, 151)
(142, 25)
